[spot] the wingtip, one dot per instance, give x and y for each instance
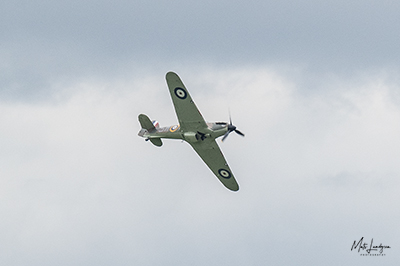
(234, 188)
(170, 74)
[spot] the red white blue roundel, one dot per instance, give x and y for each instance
(224, 173)
(180, 93)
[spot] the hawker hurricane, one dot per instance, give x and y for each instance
(194, 130)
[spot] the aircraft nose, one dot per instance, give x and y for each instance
(231, 127)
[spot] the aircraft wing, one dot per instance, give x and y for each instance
(209, 151)
(189, 117)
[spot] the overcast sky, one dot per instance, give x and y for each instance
(314, 86)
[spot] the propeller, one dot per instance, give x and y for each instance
(231, 128)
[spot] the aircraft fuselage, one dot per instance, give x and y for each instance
(213, 131)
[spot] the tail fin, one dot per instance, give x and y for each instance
(156, 124)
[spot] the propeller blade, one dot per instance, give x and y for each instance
(226, 135)
(238, 132)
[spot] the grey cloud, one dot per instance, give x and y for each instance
(44, 43)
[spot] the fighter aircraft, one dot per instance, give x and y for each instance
(194, 130)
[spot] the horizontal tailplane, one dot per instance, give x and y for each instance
(156, 142)
(146, 123)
